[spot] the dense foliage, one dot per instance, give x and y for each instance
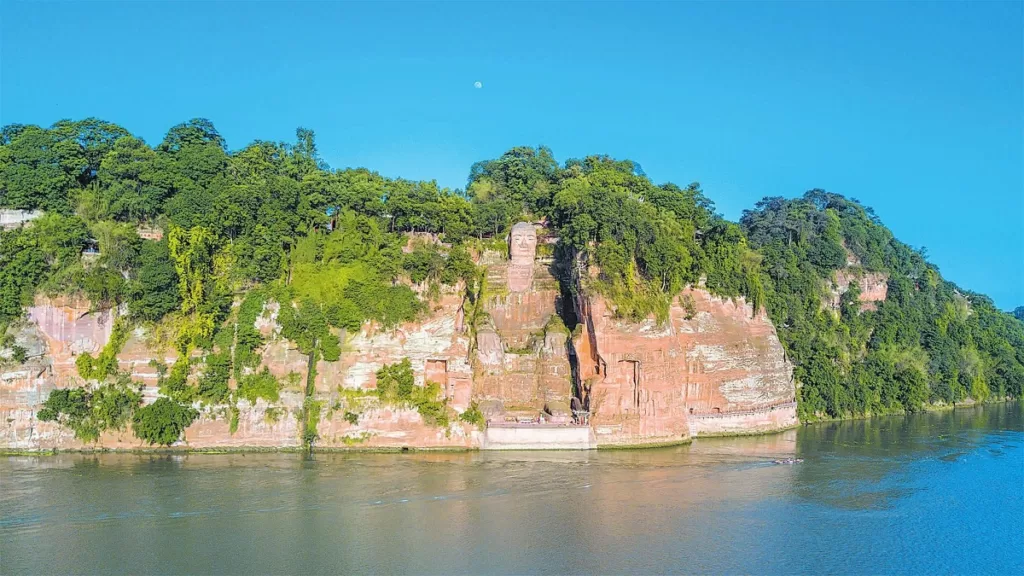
(928, 341)
(270, 228)
(395, 384)
(89, 412)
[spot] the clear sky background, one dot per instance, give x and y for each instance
(913, 108)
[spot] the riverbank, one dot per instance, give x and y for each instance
(392, 449)
(943, 407)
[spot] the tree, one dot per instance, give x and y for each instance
(91, 412)
(132, 180)
(22, 267)
(154, 289)
(307, 326)
(213, 386)
(39, 169)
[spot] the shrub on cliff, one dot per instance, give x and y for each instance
(163, 421)
(213, 386)
(90, 412)
(260, 385)
(473, 415)
(71, 407)
(105, 364)
(395, 381)
(396, 384)
(433, 410)
(175, 385)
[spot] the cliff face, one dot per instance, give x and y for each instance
(714, 367)
(60, 329)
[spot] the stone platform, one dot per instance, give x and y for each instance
(509, 436)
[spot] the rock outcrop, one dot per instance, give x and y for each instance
(873, 287)
(714, 367)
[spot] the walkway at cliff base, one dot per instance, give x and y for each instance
(538, 436)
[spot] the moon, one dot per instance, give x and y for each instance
(478, 84)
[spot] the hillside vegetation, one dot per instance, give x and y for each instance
(272, 222)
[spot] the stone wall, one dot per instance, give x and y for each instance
(16, 218)
(763, 419)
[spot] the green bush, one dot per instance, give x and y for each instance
(163, 421)
(395, 381)
(473, 415)
(71, 407)
(396, 384)
(90, 412)
(433, 411)
(113, 404)
(259, 385)
(213, 386)
(176, 385)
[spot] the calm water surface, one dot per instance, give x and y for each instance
(926, 494)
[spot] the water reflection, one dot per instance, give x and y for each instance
(869, 492)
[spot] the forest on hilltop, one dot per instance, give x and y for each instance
(273, 221)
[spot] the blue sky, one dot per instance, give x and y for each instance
(913, 108)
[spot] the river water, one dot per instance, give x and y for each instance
(924, 494)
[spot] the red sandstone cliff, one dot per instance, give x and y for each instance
(719, 370)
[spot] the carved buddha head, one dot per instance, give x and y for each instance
(523, 243)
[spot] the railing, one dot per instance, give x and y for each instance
(748, 412)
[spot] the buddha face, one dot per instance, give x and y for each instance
(523, 245)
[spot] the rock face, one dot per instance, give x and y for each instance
(69, 328)
(874, 287)
(714, 368)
